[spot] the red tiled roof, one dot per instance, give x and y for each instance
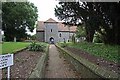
(61, 27)
(40, 26)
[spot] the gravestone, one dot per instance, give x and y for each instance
(14, 39)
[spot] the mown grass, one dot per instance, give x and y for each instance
(109, 52)
(10, 47)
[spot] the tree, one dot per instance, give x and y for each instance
(95, 15)
(16, 18)
(111, 23)
(76, 13)
(33, 37)
(73, 38)
(81, 32)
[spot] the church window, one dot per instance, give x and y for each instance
(51, 30)
(60, 35)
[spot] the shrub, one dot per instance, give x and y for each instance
(36, 47)
(63, 45)
(97, 40)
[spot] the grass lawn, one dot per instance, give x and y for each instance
(9, 47)
(109, 52)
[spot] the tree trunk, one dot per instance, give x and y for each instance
(90, 35)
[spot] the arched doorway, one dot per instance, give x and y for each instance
(52, 40)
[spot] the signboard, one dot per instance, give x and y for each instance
(6, 60)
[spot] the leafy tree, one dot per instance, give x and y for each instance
(81, 32)
(73, 38)
(33, 37)
(95, 16)
(76, 13)
(16, 18)
(111, 22)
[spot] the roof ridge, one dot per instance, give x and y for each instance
(50, 20)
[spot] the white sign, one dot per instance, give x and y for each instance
(6, 60)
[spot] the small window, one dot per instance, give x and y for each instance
(51, 30)
(60, 34)
(68, 40)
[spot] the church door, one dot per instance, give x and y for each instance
(52, 40)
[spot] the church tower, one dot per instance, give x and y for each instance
(51, 31)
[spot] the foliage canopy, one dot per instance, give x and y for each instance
(16, 18)
(96, 16)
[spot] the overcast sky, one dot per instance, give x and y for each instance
(45, 9)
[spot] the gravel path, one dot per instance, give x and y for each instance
(57, 66)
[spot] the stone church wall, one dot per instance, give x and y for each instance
(63, 36)
(40, 36)
(51, 30)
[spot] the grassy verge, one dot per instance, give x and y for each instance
(9, 47)
(0, 48)
(109, 52)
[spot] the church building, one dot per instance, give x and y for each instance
(52, 31)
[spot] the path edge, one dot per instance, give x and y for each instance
(98, 71)
(39, 71)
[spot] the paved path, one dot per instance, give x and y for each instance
(57, 66)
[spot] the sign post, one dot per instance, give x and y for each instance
(6, 61)
(8, 72)
(0, 74)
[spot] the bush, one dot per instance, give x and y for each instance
(63, 45)
(36, 47)
(97, 40)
